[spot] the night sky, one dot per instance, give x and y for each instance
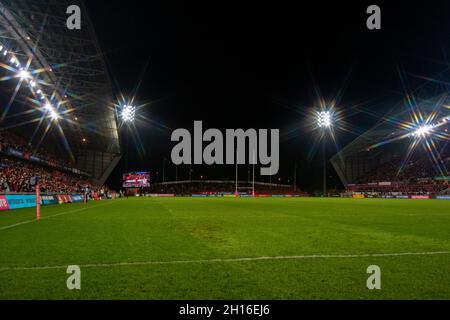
(256, 65)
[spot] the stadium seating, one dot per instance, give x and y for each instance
(418, 176)
(15, 177)
(15, 173)
(215, 187)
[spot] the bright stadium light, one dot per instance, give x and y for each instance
(423, 131)
(324, 119)
(54, 115)
(24, 74)
(128, 113)
(52, 112)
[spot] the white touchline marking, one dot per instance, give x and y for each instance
(48, 217)
(145, 263)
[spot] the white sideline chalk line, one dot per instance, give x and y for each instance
(52, 216)
(145, 263)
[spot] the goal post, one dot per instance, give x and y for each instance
(34, 181)
(38, 202)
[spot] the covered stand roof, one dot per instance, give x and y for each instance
(70, 73)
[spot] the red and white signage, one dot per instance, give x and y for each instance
(64, 198)
(3, 203)
(420, 197)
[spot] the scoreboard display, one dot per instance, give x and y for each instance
(136, 180)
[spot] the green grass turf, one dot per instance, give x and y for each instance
(174, 229)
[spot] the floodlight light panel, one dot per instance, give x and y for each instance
(324, 119)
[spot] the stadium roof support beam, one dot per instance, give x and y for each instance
(108, 170)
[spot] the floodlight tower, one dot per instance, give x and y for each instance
(324, 123)
(128, 115)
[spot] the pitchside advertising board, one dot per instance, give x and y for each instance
(136, 180)
(20, 201)
(49, 199)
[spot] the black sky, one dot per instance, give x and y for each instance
(254, 65)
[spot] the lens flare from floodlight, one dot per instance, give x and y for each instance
(54, 115)
(52, 112)
(423, 131)
(24, 74)
(128, 113)
(324, 119)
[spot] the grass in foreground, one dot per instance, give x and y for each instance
(185, 229)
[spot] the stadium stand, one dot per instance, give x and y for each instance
(12, 141)
(15, 176)
(376, 163)
(69, 123)
(16, 172)
(419, 176)
(211, 187)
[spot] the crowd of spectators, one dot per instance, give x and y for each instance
(413, 170)
(11, 140)
(15, 176)
(419, 188)
(418, 176)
